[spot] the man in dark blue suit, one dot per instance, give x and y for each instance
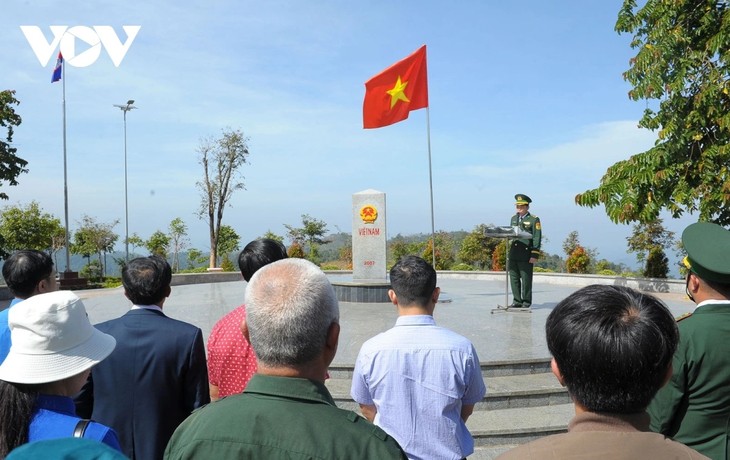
(156, 376)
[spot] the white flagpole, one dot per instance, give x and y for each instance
(430, 186)
(65, 173)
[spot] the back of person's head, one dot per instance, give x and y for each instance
(613, 346)
(146, 280)
(23, 270)
(413, 280)
(290, 305)
(258, 253)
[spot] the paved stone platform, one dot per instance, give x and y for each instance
(468, 303)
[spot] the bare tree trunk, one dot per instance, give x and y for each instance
(213, 246)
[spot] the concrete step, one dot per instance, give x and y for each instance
(490, 452)
(524, 402)
(509, 391)
(509, 427)
(489, 369)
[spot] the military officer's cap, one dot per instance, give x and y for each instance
(708, 251)
(522, 199)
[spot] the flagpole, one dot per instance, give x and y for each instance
(65, 173)
(430, 186)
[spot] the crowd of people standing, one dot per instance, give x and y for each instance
(140, 386)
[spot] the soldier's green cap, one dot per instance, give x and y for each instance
(522, 199)
(708, 251)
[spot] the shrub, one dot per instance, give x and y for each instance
(462, 267)
(227, 265)
(542, 270)
(111, 282)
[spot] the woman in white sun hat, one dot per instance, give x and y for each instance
(54, 347)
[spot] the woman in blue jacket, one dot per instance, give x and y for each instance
(54, 347)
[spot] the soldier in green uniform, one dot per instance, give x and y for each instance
(694, 407)
(523, 253)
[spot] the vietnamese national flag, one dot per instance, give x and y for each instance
(394, 92)
(58, 70)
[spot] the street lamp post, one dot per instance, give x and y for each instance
(126, 108)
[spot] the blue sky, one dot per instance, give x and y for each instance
(525, 97)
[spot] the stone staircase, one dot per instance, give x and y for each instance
(524, 401)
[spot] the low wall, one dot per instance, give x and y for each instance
(571, 279)
(565, 279)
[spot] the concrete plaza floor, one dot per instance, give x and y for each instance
(466, 310)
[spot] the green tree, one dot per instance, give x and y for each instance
(345, 254)
(178, 233)
(195, 258)
(550, 262)
(94, 237)
(93, 270)
(444, 250)
(683, 62)
(571, 242)
(578, 261)
(499, 256)
(228, 241)
(295, 251)
(649, 241)
(400, 246)
(311, 233)
(11, 166)
(158, 244)
(28, 227)
(222, 159)
(476, 248)
(135, 241)
(273, 236)
(657, 264)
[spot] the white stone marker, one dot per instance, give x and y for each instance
(368, 236)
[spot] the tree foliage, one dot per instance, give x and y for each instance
(400, 246)
(94, 237)
(273, 236)
(28, 227)
(649, 241)
(310, 234)
(295, 251)
(135, 241)
(222, 159)
(476, 248)
(195, 258)
(683, 61)
(499, 256)
(178, 233)
(11, 166)
(578, 261)
(444, 250)
(228, 241)
(571, 242)
(158, 244)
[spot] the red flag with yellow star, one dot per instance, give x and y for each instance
(394, 92)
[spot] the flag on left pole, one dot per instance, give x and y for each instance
(58, 70)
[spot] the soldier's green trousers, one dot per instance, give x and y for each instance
(520, 277)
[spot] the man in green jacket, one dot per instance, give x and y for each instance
(285, 411)
(694, 407)
(524, 252)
